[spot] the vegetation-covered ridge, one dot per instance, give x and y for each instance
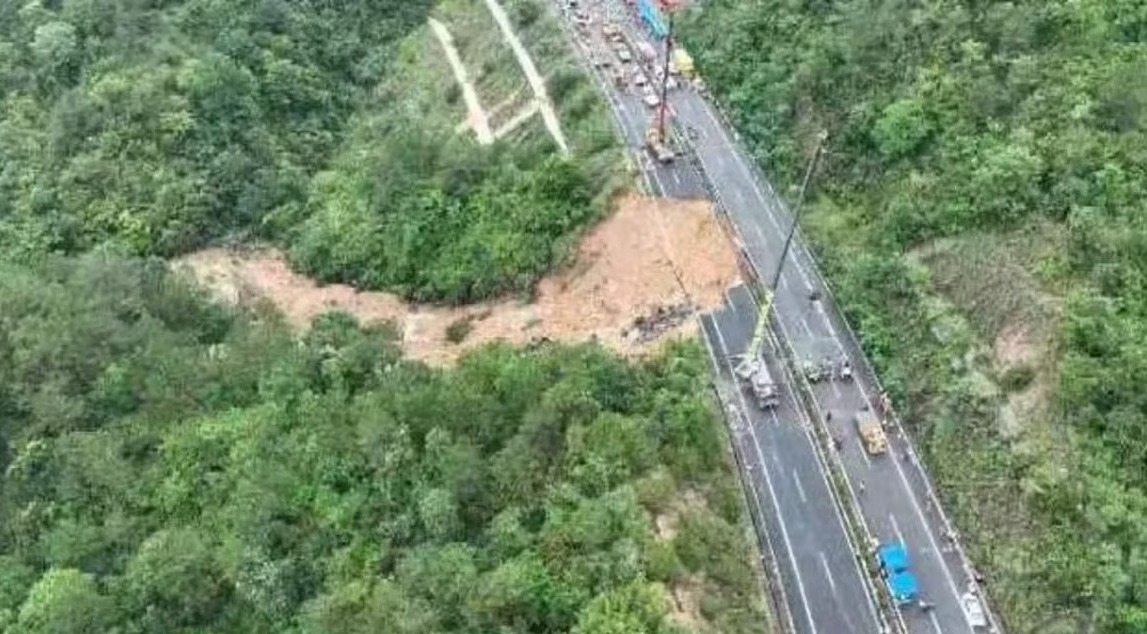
(986, 178)
(174, 466)
(327, 127)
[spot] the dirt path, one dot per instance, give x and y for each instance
(553, 124)
(518, 120)
(476, 115)
(624, 271)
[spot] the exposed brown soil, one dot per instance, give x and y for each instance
(685, 604)
(649, 254)
(1014, 346)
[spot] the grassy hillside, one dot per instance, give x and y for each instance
(415, 205)
(330, 128)
(172, 466)
(980, 212)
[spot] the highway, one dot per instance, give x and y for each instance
(824, 588)
(783, 465)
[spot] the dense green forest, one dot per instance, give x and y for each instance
(986, 174)
(171, 465)
(158, 127)
(452, 220)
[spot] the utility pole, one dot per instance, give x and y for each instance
(821, 138)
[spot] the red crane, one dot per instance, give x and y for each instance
(668, 8)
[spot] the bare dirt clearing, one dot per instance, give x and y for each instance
(650, 254)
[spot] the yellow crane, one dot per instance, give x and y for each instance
(752, 367)
(656, 145)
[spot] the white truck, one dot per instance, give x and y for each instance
(753, 370)
(756, 374)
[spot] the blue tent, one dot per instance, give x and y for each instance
(893, 557)
(903, 587)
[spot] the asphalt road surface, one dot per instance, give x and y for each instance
(824, 588)
(891, 490)
(633, 117)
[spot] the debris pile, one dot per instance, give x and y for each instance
(650, 252)
(647, 328)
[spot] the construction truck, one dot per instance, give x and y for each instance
(753, 370)
(683, 62)
(871, 432)
(656, 147)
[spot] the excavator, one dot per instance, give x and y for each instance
(752, 368)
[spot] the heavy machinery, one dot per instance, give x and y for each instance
(752, 368)
(683, 62)
(656, 147)
(871, 432)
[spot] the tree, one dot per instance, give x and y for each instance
(174, 581)
(638, 608)
(65, 601)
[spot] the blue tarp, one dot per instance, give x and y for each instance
(652, 18)
(893, 557)
(903, 587)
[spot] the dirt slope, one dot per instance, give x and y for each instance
(650, 253)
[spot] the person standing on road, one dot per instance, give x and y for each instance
(860, 487)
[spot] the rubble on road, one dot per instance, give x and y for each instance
(649, 252)
(646, 328)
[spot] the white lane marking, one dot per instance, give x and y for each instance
(737, 159)
(800, 489)
(931, 538)
(752, 485)
(705, 338)
(806, 328)
(828, 572)
(863, 451)
(936, 623)
(764, 238)
(912, 498)
(742, 163)
(896, 531)
(900, 472)
(792, 390)
(872, 608)
(721, 130)
(772, 493)
(656, 179)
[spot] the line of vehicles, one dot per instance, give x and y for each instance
(638, 64)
